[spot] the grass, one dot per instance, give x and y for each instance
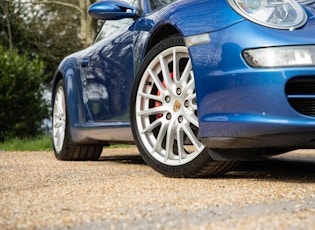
(36, 144)
(43, 143)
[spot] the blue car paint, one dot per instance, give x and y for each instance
(227, 89)
(103, 73)
(211, 16)
(111, 10)
(144, 29)
(110, 77)
(178, 16)
(70, 69)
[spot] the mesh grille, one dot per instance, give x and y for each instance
(300, 92)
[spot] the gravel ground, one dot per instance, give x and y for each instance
(120, 192)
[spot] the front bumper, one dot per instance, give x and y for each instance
(244, 107)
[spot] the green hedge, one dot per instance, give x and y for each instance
(22, 107)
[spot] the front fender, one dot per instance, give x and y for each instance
(211, 16)
(69, 72)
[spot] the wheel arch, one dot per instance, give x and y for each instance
(161, 33)
(57, 77)
(74, 100)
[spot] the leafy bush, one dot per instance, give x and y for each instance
(22, 107)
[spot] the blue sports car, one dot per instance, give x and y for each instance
(197, 85)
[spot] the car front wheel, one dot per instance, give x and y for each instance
(164, 114)
(63, 147)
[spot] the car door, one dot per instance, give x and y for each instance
(108, 73)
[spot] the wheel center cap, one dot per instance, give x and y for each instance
(177, 105)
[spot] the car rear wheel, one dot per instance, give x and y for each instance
(63, 147)
(164, 114)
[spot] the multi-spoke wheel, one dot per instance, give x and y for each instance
(164, 114)
(59, 118)
(63, 147)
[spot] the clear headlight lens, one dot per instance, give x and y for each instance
(279, 14)
(288, 56)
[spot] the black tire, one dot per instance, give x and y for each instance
(164, 114)
(63, 147)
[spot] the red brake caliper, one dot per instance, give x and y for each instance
(158, 103)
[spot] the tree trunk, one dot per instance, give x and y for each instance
(4, 7)
(88, 24)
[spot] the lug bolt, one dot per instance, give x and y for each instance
(180, 119)
(186, 103)
(168, 116)
(167, 99)
(178, 91)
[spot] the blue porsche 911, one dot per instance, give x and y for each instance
(197, 85)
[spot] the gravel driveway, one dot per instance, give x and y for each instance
(120, 192)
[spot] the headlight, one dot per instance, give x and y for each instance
(279, 14)
(288, 56)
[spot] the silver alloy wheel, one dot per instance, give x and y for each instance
(59, 119)
(168, 127)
